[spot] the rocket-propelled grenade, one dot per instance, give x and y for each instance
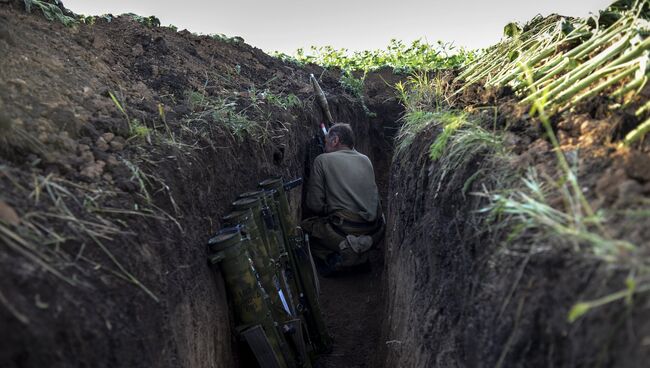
(322, 102)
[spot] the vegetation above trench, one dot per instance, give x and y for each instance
(581, 86)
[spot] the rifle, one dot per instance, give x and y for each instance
(292, 184)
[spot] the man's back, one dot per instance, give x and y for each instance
(343, 180)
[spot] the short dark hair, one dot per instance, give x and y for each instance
(344, 132)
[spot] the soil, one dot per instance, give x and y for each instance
(122, 219)
(353, 307)
(463, 292)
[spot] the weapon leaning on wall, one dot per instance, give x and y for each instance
(267, 267)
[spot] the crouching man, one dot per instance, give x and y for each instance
(343, 195)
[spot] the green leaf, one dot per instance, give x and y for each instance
(577, 311)
(512, 29)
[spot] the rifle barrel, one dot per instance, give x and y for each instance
(292, 184)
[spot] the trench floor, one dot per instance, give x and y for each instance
(353, 307)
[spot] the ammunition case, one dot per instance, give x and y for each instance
(255, 205)
(275, 235)
(302, 265)
(280, 303)
(262, 263)
(229, 249)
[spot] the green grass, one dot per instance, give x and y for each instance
(451, 123)
(279, 100)
(530, 207)
(225, 113)
(426, 103)
(413, 124)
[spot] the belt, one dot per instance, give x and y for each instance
(339, 221)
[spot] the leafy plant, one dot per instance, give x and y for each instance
(235, 40)
(401, 57)
(352, 84)
(51, 11)
(150, 21)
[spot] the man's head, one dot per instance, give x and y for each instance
(340, 136)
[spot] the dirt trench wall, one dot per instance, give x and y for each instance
(54, 85)
(459, 296)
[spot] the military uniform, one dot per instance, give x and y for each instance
(343, 195)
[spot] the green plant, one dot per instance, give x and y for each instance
(36, 237)
(235, 40)
(426, 103)
(51, 11)
(414, 122)
(530, 208)
(568, 61)
(139, 130)
(150, 21)
(450, 124)
(282, 101)
(136, 128)
(423, 92)
(402, 58)
(121, 109)
(579, 309)
(352, 84)
(225, 113)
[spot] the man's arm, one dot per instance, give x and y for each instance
(316, 189)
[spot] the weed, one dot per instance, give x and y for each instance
(50, 10)
(281, 101)
(150, 22)
(225, 113)
(579, 309)
(163, 118)
(140, 177)
(450, 124)
(530, 207)
(426, 103)
(352, 84)
(414, 122)
(121, 109)
(402, 58)
(230, 40)
(140, 130)
(421, 92)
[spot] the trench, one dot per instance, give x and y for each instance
(354, 304)
(441, 293)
